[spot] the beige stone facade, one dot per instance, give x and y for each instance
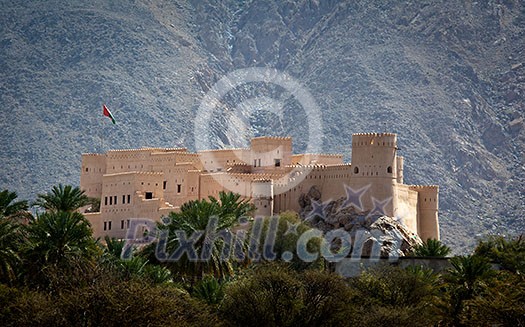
(151, 182)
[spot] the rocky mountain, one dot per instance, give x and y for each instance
(447, 76)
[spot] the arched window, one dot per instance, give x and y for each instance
(389, 169)
(356, 170)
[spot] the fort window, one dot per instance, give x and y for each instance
(179, 188)
(259, 162)
(115, 199)
(109, 225)
(105, 225)
(129, 198)
(122, 224)
(87, 169)
(127, 223)
(123, 199)
(110, 200)
(149, 195)
(255, 162)
(356, 170)
(105, 200)
(389, 169)
(277, 162)
(164, 185)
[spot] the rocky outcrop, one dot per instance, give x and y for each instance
(371, 234)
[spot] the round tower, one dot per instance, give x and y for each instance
(399, 162)
(262, 195)
(374, 165)
(427, 211)
(271, 152)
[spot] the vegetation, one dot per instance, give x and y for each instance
(62, 198)
(432, 248)
(53, 272)
(287, 232)
(211, 256)
(10, 208)
(508, 253)
(273, 295)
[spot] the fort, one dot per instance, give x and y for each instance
(151, 182)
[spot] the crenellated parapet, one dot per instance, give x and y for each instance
(89, 154)
(374, 139)
(272, 138)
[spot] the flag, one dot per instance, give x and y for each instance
(108, 114)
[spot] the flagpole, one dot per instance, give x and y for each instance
(101, 136)
(101, 149)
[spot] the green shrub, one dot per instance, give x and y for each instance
(273, 295)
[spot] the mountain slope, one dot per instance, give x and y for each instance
(448, 76)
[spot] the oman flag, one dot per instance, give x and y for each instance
(108, 114)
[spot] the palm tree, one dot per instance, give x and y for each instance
(9, 208)
(210, 256)
(468, 276)
(231, 204)
(431, 248)
(508, 252)
(62, 198)
(113, 246)
(10, 241)
(56, 238)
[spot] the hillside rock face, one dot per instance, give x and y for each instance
(447, 76)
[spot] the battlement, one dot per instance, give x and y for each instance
(261, 180)
(288, 138)
(374, 139)
(143, 173)
(272, 141)
(320, 154)
(423, 187)
(238, 164)
(90, 154)
(374, 134)
(147, 149)
(223, 150)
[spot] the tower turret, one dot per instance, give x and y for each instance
(374, 155)
(427, 207)
(262, 194)
(271, 152)
(374, 165)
